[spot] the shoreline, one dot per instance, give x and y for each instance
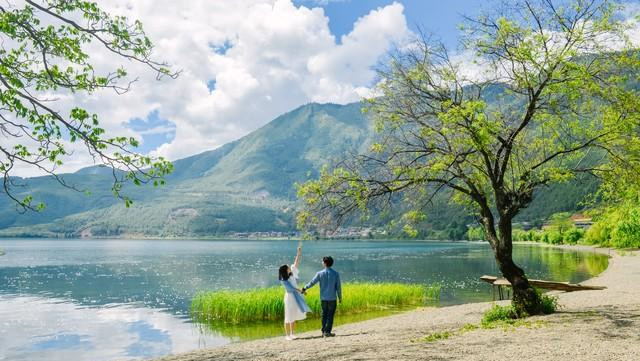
(274, 239)
(576, 330)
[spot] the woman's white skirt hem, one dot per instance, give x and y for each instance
(292, 311)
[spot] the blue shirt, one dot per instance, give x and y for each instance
(330, 288)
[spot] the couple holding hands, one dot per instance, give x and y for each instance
(295, 306)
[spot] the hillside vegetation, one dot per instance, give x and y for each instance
(244, 186)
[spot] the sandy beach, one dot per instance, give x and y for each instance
(592, 325)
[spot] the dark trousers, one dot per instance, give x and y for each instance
(328, 311)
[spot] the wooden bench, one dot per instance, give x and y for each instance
(501, 284)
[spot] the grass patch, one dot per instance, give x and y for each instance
(263, 329)
(497, 314)
(496, 317)
(506, 325)
(508, 315)
(469, 327)
(267, 304)
(437, 336)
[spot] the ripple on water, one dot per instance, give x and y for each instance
(125, 297)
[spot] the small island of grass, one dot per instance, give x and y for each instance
(267, 304)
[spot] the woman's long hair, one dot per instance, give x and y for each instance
(283, 272)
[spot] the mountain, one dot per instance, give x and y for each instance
(244, 186)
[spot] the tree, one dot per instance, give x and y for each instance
(561, 222)
(475, 234)
(44, 53)
(557, 88)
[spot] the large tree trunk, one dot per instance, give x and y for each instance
(525, 298)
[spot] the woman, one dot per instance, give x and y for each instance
(295, 307)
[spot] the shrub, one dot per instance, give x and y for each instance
(572, 236)
(476, 234)
(520, 235)
(549, 304)
(554, 237)
(535, 236)
(626, 233)
(616, 227)
(499, 314)
(599, 233)
(508, 315)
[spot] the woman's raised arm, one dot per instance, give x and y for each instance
(296, 262)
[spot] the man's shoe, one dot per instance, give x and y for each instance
(330, 334)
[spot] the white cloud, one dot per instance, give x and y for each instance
(265, 56)
(343, 70)
(472, 68)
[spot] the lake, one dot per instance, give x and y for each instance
(119, 299)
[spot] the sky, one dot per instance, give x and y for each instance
(438, 17)
(244, 62)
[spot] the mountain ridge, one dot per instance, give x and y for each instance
(246, 185)
(249, 178)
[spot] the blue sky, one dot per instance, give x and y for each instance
(433, 16)
(154, 131)
(245, 62)
(437, 17)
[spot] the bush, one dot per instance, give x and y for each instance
(554, 237)
(626, 234)
(520, 235)
(499, 314)
(572, 236)
(617, 227)
(476, 234)
(549, 304)
(509, 315)
(599, 233)
(535, 236)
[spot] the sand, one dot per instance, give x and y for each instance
(592, 325)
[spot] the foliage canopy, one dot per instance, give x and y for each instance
(44, 55)
(556, 90)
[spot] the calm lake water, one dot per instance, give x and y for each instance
(115, 300)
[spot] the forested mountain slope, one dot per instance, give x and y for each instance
(244, 186)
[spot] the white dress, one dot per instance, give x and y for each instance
(292, 311)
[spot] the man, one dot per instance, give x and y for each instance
(330, 290)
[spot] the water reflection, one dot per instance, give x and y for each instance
(35, 328)
(106, 300)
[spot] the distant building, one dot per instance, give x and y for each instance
(581, 221)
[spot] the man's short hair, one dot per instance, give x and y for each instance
(328, 261)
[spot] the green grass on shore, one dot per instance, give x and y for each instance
(267, 304)
(264, 329)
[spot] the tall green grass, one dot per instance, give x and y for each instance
(264, 329)
(266, 304)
